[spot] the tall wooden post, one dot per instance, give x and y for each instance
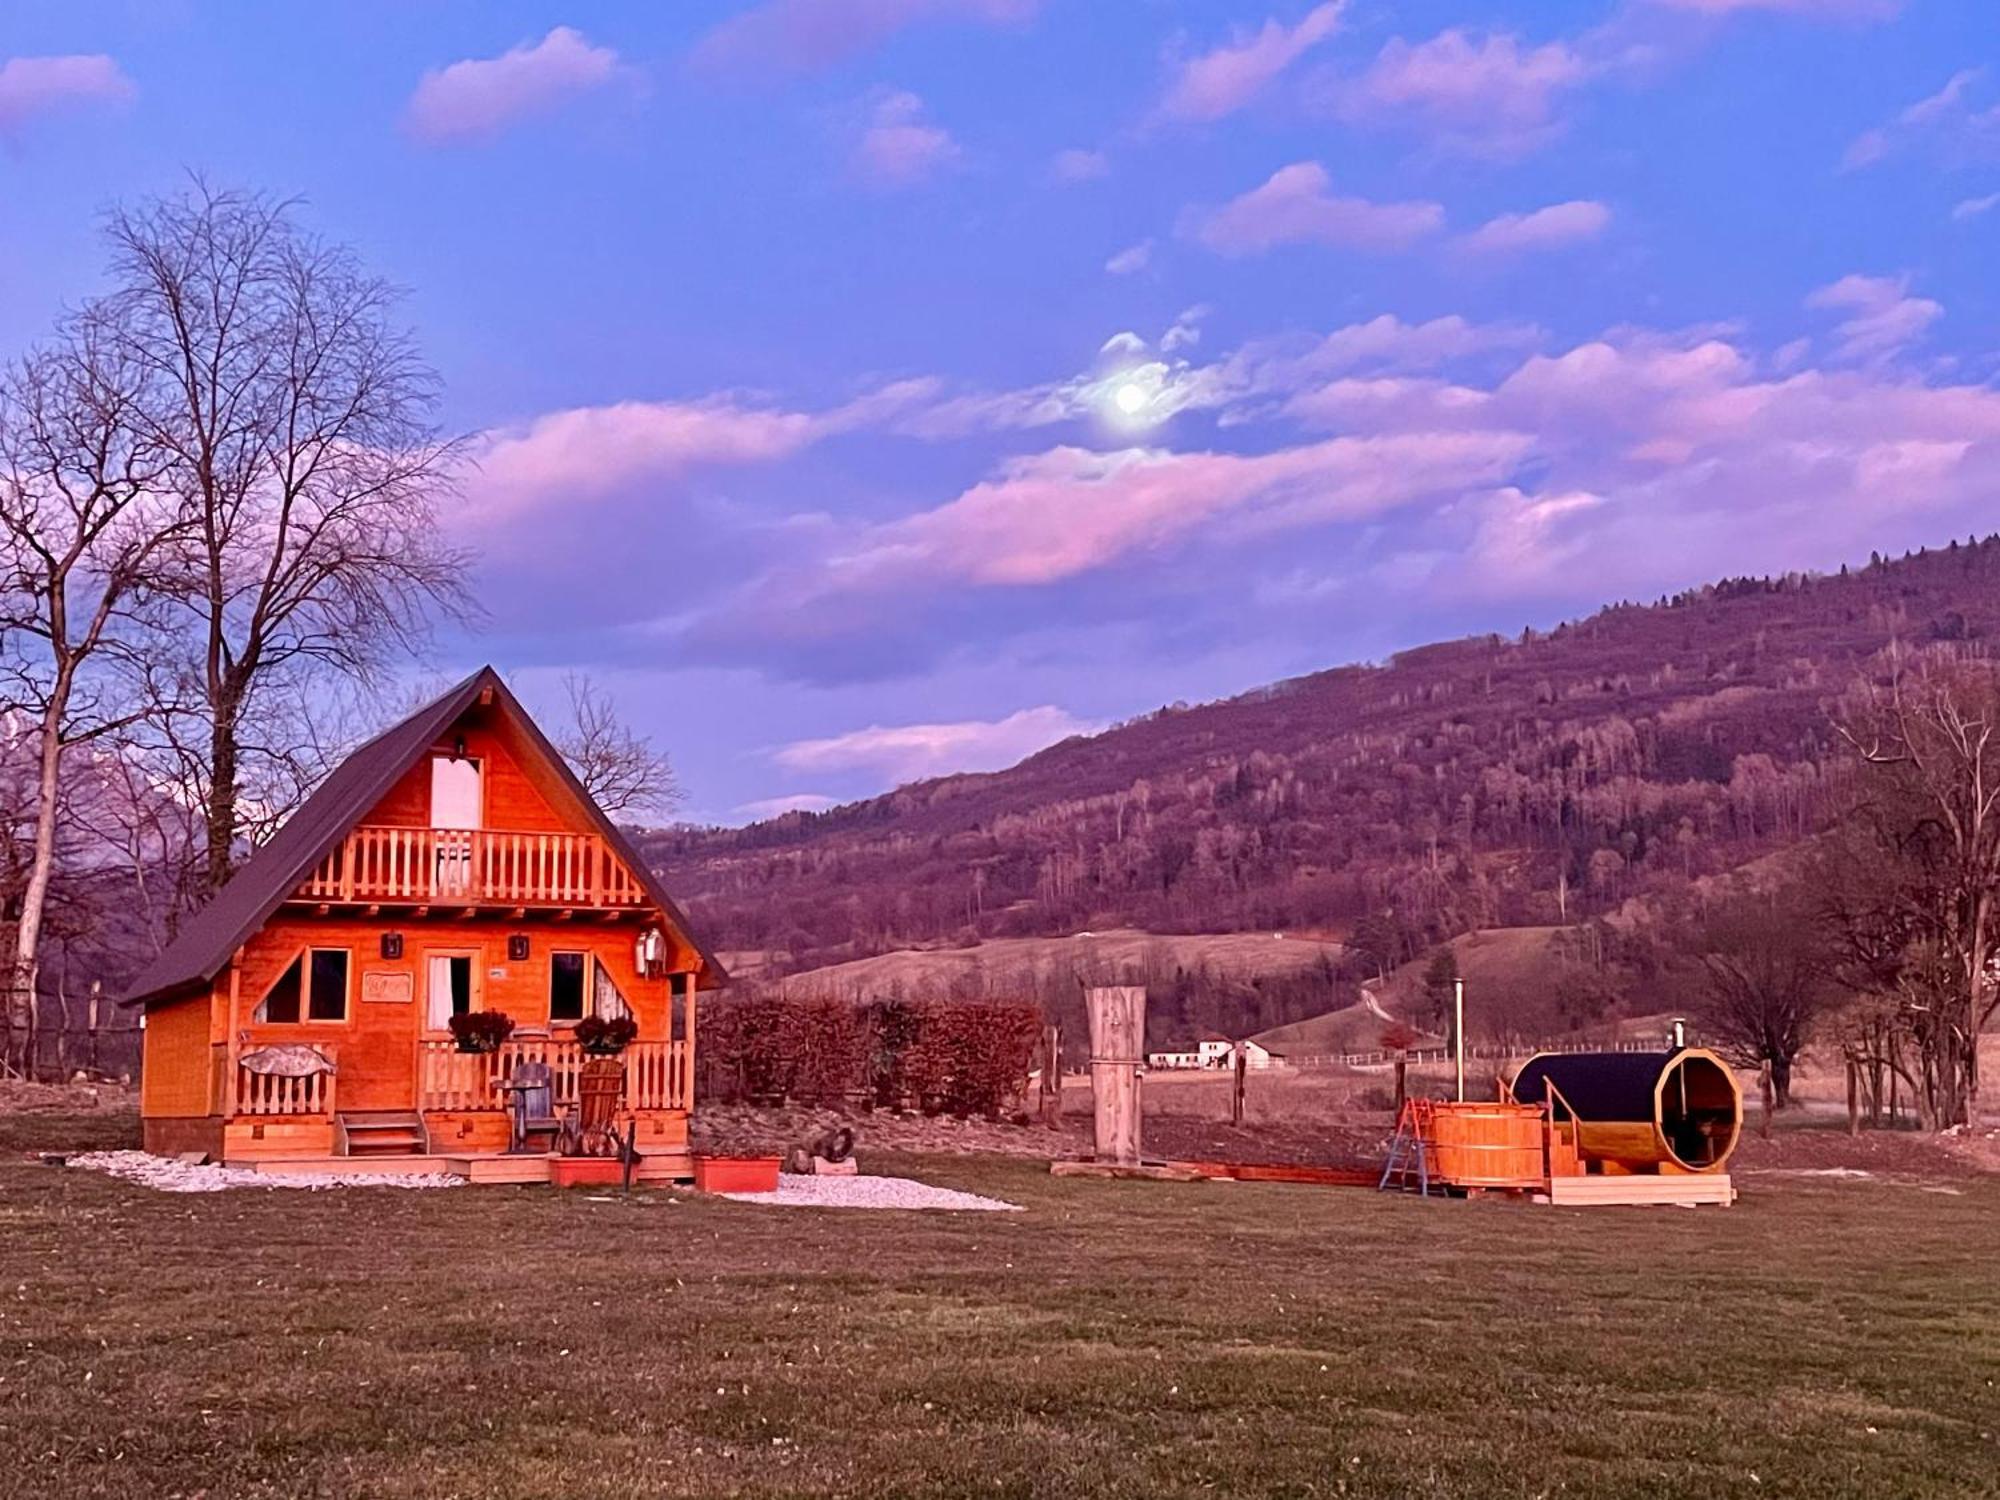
(1240, 1067)
(1117, 1040)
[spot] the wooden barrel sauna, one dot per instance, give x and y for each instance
(1486, 1145)
(1640, 1111)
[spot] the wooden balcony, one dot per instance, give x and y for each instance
(657, 1074)
(473, 867)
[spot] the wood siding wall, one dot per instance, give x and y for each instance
(512, 797)
(377, 1043)
(177, 1071)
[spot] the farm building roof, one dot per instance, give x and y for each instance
(210, 938)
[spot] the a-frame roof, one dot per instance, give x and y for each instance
(210, 938)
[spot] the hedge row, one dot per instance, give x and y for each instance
(959, 1057)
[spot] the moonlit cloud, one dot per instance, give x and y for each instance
(907, 752)
(1552, 228)
(1220, 82)
(1297, 206)
(900, 148)
(32, 87)
(477, 98)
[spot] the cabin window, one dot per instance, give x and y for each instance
(606, 999)
(313, 987)
(447, 989)
(566, 986)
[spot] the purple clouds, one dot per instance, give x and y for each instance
(33, 87)
(1217, 83)
(477, 98)
(1297, 205)
(899, 147)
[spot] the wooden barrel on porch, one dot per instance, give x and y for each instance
(1486, 1144)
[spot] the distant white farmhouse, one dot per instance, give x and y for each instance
(1214, 1050)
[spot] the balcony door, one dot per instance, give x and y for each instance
(456, 801)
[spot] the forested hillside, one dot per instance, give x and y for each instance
(1481, 782)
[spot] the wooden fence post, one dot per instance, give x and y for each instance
(1051, 1100)
(1241, 1066)
(1117, 1037)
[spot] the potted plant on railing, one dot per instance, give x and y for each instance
(481, 1030)
(606, 1036)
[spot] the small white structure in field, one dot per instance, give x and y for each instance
(1173, 1060)
(1215, 1050)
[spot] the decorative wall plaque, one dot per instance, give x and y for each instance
(386, 987)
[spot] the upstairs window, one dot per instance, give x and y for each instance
(313, 987)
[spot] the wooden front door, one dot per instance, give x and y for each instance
(378, 1059)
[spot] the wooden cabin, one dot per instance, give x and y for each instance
(454, 863)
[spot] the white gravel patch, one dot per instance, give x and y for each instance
(869, 1192)
(168, 1176)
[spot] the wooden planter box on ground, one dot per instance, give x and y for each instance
(586, 1171)
(736, 1174)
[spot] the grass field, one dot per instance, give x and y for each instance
(1116, 1339)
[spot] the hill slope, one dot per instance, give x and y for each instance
(1477, 783)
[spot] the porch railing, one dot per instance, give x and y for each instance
(382, 863)
(275, 1094)
(657, 1074)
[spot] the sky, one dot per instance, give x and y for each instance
(869, 389)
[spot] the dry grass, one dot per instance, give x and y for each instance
(1025, 961)
(1124, 1339)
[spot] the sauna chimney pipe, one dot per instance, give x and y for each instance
(1458, 1030)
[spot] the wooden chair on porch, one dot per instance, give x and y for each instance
(533, 1114)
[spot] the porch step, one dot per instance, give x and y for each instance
(383, 1133)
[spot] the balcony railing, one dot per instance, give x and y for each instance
(657, 1074)
(493, 866)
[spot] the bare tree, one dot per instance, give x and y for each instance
(1765, 961)
(297, 418)
(82, 537)
(1919, 908)
(620, 768)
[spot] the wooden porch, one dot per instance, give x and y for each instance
(480, 1168)
(458, 1111)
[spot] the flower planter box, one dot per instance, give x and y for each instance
(586, 1171)
(736, 1174)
